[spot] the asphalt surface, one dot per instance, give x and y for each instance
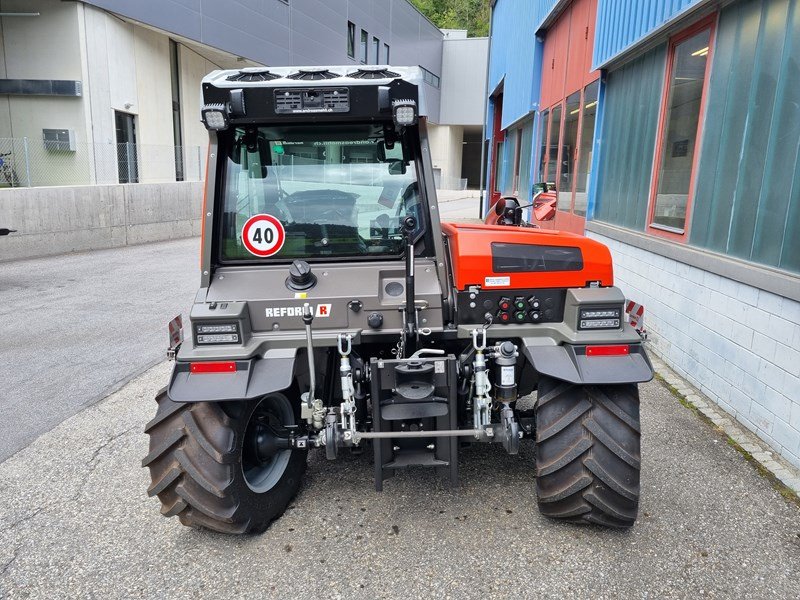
(76, 522)
(76, 326)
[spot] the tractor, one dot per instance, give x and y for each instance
(338, 313)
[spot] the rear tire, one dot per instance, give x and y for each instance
(197, 463)
(588, 452)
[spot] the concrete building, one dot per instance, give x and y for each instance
(107, 91)
(671, 131)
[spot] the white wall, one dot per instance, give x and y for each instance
(193, 68)
(123, 67)
(446, 148)
(43, 47)
(464, 64)
(112, 86)
(739, 345)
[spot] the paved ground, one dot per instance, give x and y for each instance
(75, 326)
(459, 204)
(76, 523)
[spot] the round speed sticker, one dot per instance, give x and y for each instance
(263, 235)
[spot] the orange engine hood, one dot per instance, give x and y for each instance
(471, 254)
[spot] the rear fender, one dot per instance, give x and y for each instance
(253, 378)
(569, 363)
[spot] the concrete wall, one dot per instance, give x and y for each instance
(56, 220)
(446, 150)
(738, 344)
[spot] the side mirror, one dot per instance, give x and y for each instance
(545, 206)
(540, 187)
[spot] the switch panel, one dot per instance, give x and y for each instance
(511, 306)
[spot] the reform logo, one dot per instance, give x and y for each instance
(322, 311)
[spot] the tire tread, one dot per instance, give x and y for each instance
(588, 452)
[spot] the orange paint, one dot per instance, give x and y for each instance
(471, 253)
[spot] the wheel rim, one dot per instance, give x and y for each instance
(263, 461)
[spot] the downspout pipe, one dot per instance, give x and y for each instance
(484, 203)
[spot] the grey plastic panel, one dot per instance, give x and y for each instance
(569, 363)
(252, 379)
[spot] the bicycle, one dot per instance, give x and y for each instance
(7, 171)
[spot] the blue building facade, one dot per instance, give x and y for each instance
(675, 140)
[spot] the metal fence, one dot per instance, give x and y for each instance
(30, 162)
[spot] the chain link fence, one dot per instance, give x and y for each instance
(29, 162)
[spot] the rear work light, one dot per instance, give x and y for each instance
(215, 116)
(404, 112)
(217, 333)
(600, 318)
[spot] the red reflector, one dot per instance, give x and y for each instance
(607, 350)
(213, 367)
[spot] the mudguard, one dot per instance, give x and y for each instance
(570, 363)
(253, 378)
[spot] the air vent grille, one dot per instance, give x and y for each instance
(322, 100)
(313, 75)
(252, 76)
(373, 74)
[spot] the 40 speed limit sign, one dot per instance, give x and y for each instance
(263, 235)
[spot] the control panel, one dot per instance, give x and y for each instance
(511, 306)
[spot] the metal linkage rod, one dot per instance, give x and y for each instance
(382, 435)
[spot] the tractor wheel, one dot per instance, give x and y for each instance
(222, 466)
(587, 452)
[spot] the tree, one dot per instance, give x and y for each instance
(472, 15)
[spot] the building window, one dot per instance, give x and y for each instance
(364, 46)
(569, 151)
(545, 119)
(551, 169)
(517, 156)
(679, 131)
(351, 40)
(376, 50)
(386, 54)
(430, 78)
(586, 144)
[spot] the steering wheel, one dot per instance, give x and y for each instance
(337, 215)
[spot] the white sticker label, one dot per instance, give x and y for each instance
(323, 310)
(438, 366)
(507, 376)
(497, 281)
(263, 235)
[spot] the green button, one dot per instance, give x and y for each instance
(520, 316)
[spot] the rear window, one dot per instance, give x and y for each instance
(525, 258)
(316, 192)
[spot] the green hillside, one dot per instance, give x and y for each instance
(472, 15)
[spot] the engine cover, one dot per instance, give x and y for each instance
(496, 258)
